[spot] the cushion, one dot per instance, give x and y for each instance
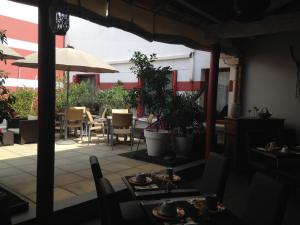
(31, 117)
(14, 130)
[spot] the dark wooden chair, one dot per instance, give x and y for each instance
(214, 176)
(266, 201)
(118, 213)
(129, 211)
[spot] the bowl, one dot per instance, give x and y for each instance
(168, 208)
(141, 178)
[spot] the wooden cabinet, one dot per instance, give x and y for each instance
(238, 132)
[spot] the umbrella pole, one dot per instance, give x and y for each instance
(68, 83)
(67, 105)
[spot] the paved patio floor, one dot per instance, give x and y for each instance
(73, 176)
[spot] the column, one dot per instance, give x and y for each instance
(212, 100)
(46, 116)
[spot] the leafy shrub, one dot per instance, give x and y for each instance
(112, 98)
(80, 94)
(24, 102)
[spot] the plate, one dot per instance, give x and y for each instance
(180, 214)
(133, 180)
(220, 208)
(200, 205)
(164, 177)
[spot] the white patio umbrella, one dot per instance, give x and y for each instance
(70, 59)
(9, 53)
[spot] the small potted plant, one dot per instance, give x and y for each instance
(156, 97)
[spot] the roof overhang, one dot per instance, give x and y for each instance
(196, 24)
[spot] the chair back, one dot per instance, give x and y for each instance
(110, 204)
(114, 111)
(122, 120)
(97, 172)
(104, 113)
(89, 116)
(266, 201)
(214, 176)
(80, 107)
(73, 114)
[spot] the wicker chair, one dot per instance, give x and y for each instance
(74, 120)
(121, 125)
(93, 125)
(114, 111)
(138, 129)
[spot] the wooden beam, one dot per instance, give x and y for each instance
(269, 25)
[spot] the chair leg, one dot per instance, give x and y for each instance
(141, 137)
(137, 147)
(89, 137)
(112, 141)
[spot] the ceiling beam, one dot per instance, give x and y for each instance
(269, 25)
(199, 11)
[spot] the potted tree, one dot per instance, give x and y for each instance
(186, 120)
(156, 97)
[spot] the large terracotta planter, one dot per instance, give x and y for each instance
(157, 142)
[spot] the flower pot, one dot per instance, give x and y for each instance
(183, 145)
(157, 142)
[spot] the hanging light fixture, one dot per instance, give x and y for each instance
(59, 17)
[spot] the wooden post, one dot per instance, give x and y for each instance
(46, 115)
(212, 100)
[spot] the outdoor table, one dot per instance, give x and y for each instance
(192, 215)
(178, 188)
(277, 155)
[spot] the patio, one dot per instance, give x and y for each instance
(73, 176)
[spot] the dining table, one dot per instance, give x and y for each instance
(277, 154)
(159, 186)
(191, 210)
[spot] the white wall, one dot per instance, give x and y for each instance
(117, 47)
(270, 77)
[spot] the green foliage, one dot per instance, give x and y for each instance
(24, 100)
(112, 98)
(80, 94)
(155, 95)
(186, 114)
(6, 99)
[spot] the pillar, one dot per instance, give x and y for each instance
(46, 116)
(212, 100)
(140, 107)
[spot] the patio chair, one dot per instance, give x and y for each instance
(214, 176)
(114, 111)
(93, 125)
(266, 201)
(74, 120)
(138, 129)
(116, 212)
(121, 124)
